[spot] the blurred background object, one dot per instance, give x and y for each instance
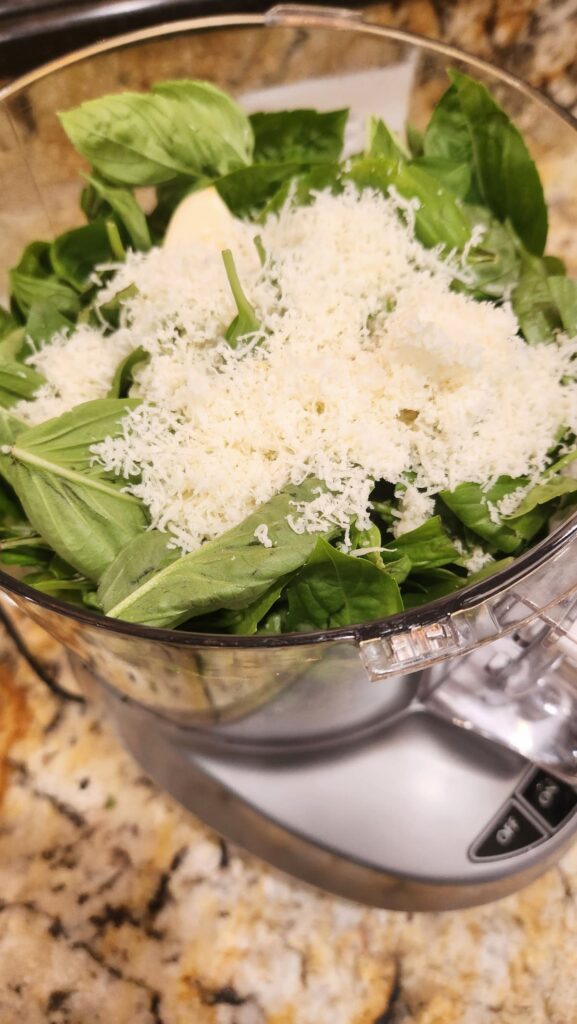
(532, 38)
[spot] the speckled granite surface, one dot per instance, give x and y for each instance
(117, 906)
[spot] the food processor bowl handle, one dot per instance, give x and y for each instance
(505, 669)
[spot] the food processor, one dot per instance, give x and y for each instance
(424, 761)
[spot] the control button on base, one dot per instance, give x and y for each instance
(552, 799)
(512, 833)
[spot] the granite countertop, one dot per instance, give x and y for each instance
(117, 906)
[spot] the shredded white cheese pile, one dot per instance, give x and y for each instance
(367, 367)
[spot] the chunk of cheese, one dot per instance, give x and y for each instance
(202, 218)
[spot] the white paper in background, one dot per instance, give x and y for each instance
(384, 92)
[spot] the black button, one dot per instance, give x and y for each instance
(553, 800)
(512, 832)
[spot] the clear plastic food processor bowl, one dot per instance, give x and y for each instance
(497, 658)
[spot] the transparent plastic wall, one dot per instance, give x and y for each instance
(316, 686)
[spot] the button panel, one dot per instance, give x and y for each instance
(512, 832)
(540, 806)
(550, 798)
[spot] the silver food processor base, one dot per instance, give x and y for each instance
(421, 815)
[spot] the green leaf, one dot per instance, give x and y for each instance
(215, 118)
(67, 439)
(110, 311)
(505, 174)
(489, 570)
(439, 219)
(430, 585)
(75, 254)
(303, 187)
(453, 176)
(381, 141)
(243, 621)
(12, 344)
(8, 325)
(85, 518)
(564, 294)
(540, 494)
(29, 291)
(415, 139)
(247, 190)
(334, 589)
(447, 134)
(44, 321)
(426, 547)
(298, 136)
(230, 572)
(124, 374)
(17, 381)
(246, 321)
(471, 504)
(123, 203)
(183, 128)
(543, 304)
(493, 265)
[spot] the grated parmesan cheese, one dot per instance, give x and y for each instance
(77, 367)
(367, 367)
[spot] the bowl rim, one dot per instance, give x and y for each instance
(470, 596)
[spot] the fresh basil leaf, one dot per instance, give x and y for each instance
(58, 579)
(447, 135)
(535, 305)
(85, 518)
(123, 203)
(493, 265)
(17, 381)
(302, 188)
(75, 254)
(298, 136)
(453, 176)
(124, 374)
(28, 291)
(430, 585)
(184, 128)
(246, 191)
(7, 324)
(232, 571)
(244, 621)
(35, 260)
(554, 487)
(489, 570)
(398, 566)
(564, 294)
(44, 321)
(67, 440)
(415, 139)
(506, 176)
(215, 115)
(110, 311)
(33, 280)
(472, 506)
(439, 219)
(426, 547)
(12, 344)
(381, 141)
(246, 320)
(334, 589)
